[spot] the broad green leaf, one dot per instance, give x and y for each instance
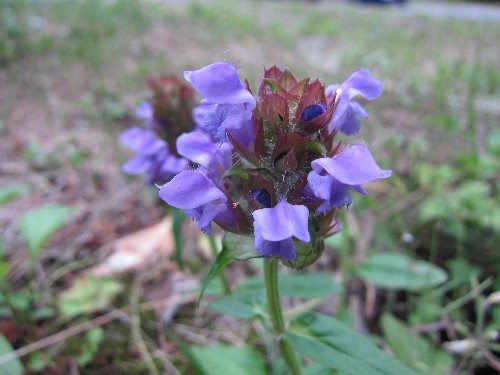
(38, 225)
(317, 369)
(397, 271)
(14, 367)
(299, 285)
(414, 350)
(334, 345)
(233, 247)
(89, 347)
(249, 299)
(241, 304)
(13, 191)
(39, 361)
(88, 295)
(221, 359)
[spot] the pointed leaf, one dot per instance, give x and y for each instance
(397, 271)
(299, 285)
(222, 359)
(331, 343)
(13, 191)
(38, 225)
(233, 247)
(414, 350)
(242, 304)
(13, 367)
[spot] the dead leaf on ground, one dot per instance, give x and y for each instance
(138, 250)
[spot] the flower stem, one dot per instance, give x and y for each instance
(273, 299)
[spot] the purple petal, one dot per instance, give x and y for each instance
(361, 82)
(282, 249)
(190, 189)
(173, 165)
(137, 165)
(198, 147)
(283, 221)
(219, 83)
(200, 113)
(353, 166)
(142, 141)
(144, 111)
(206, 214)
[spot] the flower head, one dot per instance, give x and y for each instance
(268, 164)
(165, 117)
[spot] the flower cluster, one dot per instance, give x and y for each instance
(165, 117)
(267, 164)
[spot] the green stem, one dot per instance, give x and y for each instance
(215, 251)
(278, 324)
(345, 266)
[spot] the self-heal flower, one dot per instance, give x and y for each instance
(219, 84)
(268, 165)
(275, 227)
(164, 117)
(348, 113)
(199, 196)
(153, 157)
(332, 178)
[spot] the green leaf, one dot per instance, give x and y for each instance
(13, 191)
(39, 361)
(221, 359)
(332, 344)
(299, 285)
(38, 225)
(397, 271)
(233, 247)
(14, 367)
(89, 348)
(249, 299)
(414, 350)
(88, 295)
(242, 304)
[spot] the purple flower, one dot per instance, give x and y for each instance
(332, 178)
(219, 84)
(199, 148)
(145, 112)
(198, 196)
(153, 159)
(275, 227)
(348, 114)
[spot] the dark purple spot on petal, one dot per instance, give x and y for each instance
(312, 112)
(262, 196)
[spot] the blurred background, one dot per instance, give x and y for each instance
(71, 75)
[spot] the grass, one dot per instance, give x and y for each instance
(80, 69)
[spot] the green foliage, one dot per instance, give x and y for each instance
(397, 271)
(249, 299)
(13, 367)
(90, 346)
(233, 247)
(413, 350)
(93, 26)
(222, 359)
(87, 295)
(38, 225)
(14, 29)
(12, 191)
(298, 285)
(331, 343)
